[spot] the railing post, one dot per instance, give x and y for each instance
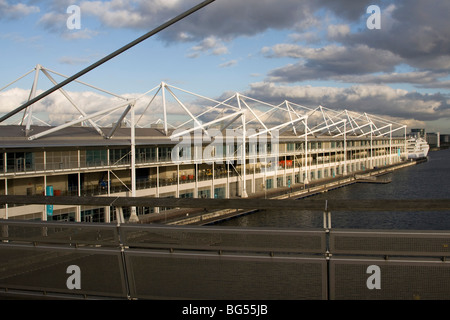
(119, 216)
(326, 217)
(5, 232)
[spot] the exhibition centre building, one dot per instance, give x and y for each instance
(170, 142)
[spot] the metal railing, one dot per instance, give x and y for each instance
(135, 261)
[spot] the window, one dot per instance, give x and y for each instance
(61, 159)
(187, 195)
(269, 147)
(299, 146)
(280, 181)
(219, 193)
(119, 156)
(96, 158)
(165, 153)
(184, 153)
(93, 215)
(20, 161)
(147, 154)
(205, 194)
(290, 146)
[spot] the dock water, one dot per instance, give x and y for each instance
(299, 191)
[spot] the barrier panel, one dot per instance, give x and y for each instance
(72, 233)
(65, 270)
(368, 278)
(390, 242)
(389, 264)
(234, 239)
(130, 261)
(209, 276)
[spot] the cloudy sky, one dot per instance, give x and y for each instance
(311, 52)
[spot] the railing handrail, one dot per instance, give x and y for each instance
(239, 203)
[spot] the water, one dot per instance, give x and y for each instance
(429, 180)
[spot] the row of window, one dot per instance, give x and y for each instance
(339, 144)
(34, 161)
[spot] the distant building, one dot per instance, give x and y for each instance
(445, 140)
(438, 140)
(418, 132)
(433, 139)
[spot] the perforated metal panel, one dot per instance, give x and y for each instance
(209, 238)
(212, 276)
(44, 269)
(59, 233)
(398, 279)
(387, 242)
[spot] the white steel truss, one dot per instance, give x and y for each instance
(178, 117)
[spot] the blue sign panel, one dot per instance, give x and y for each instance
(49, 192)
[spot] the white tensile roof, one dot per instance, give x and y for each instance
(177, 112)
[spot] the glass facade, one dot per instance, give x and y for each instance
(102, 171)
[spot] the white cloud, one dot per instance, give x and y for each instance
(18, 38)
(56, 109)
(374, 99)
(75, 60)
(116, 14)
(80, 34)
(423, 79)
(338, 31)
(227, 64)
(54, 22)
(329, 61)
(211, 45)
(135, 14)
(12, 98)
(16, 11)
(222, 19)
(308, 37)
(57, 22)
